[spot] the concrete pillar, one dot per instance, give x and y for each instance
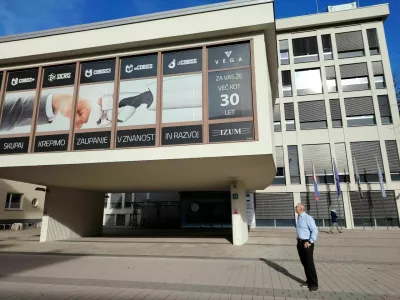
(240, 233)
(397, 197)
(348, 210)
(71, 214)
(251, 214)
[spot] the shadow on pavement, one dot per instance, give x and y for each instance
(281, 270)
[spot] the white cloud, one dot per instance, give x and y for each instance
(19, 16)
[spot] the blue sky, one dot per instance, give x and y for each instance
(19, 16)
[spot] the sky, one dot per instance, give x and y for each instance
(21, 16)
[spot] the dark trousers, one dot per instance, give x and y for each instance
(307, 260)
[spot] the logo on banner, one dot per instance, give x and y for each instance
(129, 68)
(16, 80)
(229, 59)
(144, 67)
(52, 77)
(230, 132)
(182, 62)
(90, 72)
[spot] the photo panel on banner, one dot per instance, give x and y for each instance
(182, 96)
(55, 108)
(17, 111)
(94, 108)
(137, 102)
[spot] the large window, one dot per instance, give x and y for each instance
(277, 118)
(116, 200)
(308, 82)
(365, 155)
(373, 41)
(350, 44)
(341, 162)
(13, 201)
(379, 76)
(294, 168)
(287, 84)
(289, 117)
(274, 210)
(280, 166)
(312, 114)
(284, 52)
(336, 113)
(331, 79)
(393, 159)
(384, 108)
(360, 111)
(327, 46)
(305, 49)
(320, 156)
(354, 77)
(370, 210)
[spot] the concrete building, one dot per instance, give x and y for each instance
(141, 104)
(335, 101)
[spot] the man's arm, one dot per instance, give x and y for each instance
(17, 111)
(313, 229)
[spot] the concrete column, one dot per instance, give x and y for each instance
(70, 213)
(347, 210)
(251, 215)
(240, 233)
(397, 197)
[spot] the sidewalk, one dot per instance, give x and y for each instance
(352, 265)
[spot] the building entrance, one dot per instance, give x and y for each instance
(169, 210)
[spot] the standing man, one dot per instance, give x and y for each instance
(307, 233)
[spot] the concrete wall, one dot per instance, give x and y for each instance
(240, 231)
(26, 212)
(71, 214)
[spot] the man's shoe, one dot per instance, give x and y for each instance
(304, 284)
(313, 288)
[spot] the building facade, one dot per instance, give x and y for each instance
(336, 102)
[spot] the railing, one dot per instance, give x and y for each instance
(24, 225)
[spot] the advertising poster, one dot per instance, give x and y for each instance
(137, 102)
(17, 112)
(94, 108)
(55, 109)
(182, 92)
(230, 94)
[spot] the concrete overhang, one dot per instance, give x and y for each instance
(375, 12)
(202, 23)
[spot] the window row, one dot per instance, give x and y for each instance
(312, 114)
(354, 77)
(366, 156)
(348, 44)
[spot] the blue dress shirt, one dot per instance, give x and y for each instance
(306, 228)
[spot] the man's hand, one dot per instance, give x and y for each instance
(62, 103)
(307, 245)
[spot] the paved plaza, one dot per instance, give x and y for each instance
(353, 265)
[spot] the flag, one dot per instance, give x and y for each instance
(358, 180)
(337, 179)
(383, 192)
(315, 179)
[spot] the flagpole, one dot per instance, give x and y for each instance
(316, 191)
(383, 193)
(339, 192)
(359, 192)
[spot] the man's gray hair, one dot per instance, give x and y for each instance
(301, 205)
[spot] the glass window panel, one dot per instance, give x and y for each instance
(308, 82)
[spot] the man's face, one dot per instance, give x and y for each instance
(299, 209)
